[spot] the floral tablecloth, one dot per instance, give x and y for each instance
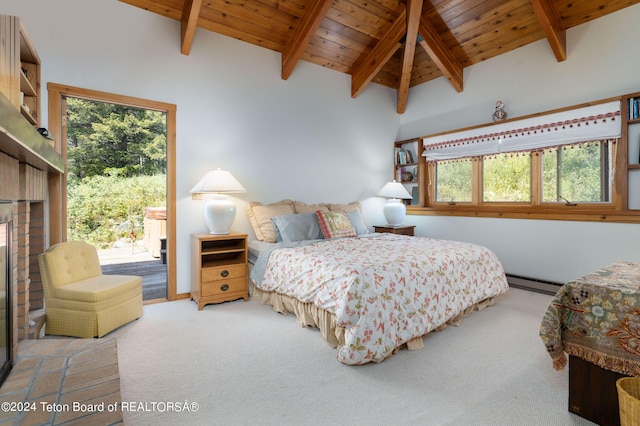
(597, 318)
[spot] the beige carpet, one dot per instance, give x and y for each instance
(240, 363)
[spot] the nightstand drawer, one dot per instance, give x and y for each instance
(224, 272)
(222, 287)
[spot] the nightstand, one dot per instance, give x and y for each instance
(402, 229)
(218, 268)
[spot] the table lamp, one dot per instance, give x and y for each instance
(218, 210)
(394, 209)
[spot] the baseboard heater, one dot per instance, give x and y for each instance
(533, 284)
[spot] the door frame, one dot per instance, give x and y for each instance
(58, 182)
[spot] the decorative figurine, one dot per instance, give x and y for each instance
(499, 113)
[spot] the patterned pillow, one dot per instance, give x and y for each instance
(335, 224)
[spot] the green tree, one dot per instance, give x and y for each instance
(116, 164)
(507, 177)
(98, 205)
(454, 180)
(113, 139)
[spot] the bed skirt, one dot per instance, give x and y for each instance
(309, 315)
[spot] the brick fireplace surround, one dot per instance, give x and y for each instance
(25, 187)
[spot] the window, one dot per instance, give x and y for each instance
(453, 184)
(560, 166)
(577, 174)
(506, 178)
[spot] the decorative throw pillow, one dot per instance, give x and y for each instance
(260, 217)
(335, 224)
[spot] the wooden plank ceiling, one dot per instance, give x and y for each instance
(395, 43)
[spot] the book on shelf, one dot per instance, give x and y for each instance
(633, 108)
(404, 156)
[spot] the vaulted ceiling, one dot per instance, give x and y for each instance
(395, 43)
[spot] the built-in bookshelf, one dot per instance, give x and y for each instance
(632, 123)
(407, 160)
(20, 76)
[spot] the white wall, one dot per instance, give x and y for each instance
(303, 138)
(602, 61)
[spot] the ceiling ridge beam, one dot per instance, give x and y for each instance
(552, 27)
(440, 54)
(188, 24)
(414, 11)
(388, 44)
(301, 35)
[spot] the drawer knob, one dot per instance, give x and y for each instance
(224, 273)
(224, 287)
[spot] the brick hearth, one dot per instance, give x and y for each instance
(26, 188)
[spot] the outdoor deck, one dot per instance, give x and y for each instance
(137, 261)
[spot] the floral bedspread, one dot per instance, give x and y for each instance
(387, 290)
(597, 318)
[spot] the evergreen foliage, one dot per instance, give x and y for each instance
(103, 209)
(116, 166)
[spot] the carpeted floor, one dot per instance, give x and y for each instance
(63, 381)
(240, 363)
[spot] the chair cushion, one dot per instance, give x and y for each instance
(103, 287)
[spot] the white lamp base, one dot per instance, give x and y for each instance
(394, 211)
(219, 213)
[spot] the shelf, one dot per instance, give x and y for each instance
(20, 69)
(633, 167)
(21, 140)
(26, 114)
(25, 86)
(413, 167)
(222, 261)
(633, 121)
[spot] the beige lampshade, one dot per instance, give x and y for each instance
(394, 190)
(216, 182)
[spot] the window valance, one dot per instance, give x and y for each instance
(589, 123)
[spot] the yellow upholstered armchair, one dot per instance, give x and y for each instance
(79, 300)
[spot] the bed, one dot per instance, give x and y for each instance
(369, 294)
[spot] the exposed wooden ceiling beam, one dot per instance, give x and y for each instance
(188, 24)
(414, 10)
(301, 35)
(379, 55)
(553, 29)
(440, 54)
